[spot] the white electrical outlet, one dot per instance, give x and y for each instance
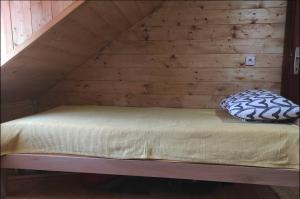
(250, 60)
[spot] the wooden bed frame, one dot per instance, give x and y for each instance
(149, 168)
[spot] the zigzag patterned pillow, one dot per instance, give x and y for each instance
(260, 105)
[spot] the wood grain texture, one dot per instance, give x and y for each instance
(41, 13)
(187, 54)
(182, 61)
(7, 45)
(178, 75)
(207, 32)
(152, 168)
(132, 6)
(232, 46)
(21, 21)
(225, 5)
(51, 100)
(59, 6)
(159, 88)
(196, 16)
(67, 41)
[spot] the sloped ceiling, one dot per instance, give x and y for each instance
(77, 34)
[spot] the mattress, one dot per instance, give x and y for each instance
(186, 135)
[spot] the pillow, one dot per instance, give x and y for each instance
(260, 105)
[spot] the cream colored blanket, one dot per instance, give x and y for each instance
(189, 135)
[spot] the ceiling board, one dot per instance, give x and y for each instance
(75, 35)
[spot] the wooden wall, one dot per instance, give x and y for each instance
(82, 30)
(20, 18)
(10, 111)
(187, 54)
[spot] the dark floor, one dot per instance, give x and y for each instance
(91, 187)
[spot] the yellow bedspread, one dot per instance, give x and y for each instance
(190, 135)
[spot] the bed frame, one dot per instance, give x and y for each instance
(149, 168)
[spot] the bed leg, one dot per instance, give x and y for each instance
(3, 183)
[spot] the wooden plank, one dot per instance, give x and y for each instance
(47, 53)
(26, 78)
(161, 88)
(129, 10)
(192, 64)
(21, 21)
(16, 110)
(145, 7)
(177, 75)
(130, 99)
(57, 47)
(196, 47)
(182, 61)
(27, 62)
(111, 14)
(142, 93)
(52, 99)
(152, 168)
(224, 5)
(59, 6)
(197, 16)
(206, 32)
(6, 31)
(70, 36)
(29, 67)
(93, 22)
(41, 13)
(41, 31)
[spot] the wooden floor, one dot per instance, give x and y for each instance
(73, 186)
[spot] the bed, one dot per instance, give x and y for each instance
(200, 144)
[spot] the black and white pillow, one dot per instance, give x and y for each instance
(260, 105)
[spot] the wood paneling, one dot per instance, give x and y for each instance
(187, 54)
(7, 45)
(111, 14)
(196, 16)
(67, 41)
(20, 19)
(133, 7)
(177, 75)
(59, 6)
(196, 47)
(224, 5)
(41, 13)
(159, 88)
(182, 61)
(10, 111)
(207, 32)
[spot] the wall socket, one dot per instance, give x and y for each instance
(250, 60)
